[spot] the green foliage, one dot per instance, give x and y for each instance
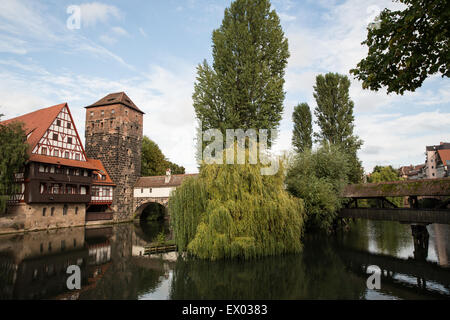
(318, 177)
(154, 163)
(407, 47)
(384, 174)
(302, 134)
(13, 155)
(334, 112)
(232, 211)
(244, 87)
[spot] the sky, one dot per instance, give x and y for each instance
(150, 49)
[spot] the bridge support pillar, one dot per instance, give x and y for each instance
(421, 238)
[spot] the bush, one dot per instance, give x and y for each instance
(318, 177)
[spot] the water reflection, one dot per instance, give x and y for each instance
(113, 266)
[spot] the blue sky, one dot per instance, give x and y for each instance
(150, 50)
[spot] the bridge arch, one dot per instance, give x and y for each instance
(142, 203)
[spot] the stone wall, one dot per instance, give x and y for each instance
(115, 138)
(29, 217)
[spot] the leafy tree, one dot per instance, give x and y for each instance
(232, 211)
(334, 112)
(407, 47)
(385, 174)
(13, 156)
(244, 86)
(302, 134)
(319, 177)
(154, 163)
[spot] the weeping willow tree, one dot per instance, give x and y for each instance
(232, 211)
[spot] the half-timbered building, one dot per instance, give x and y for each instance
(59, 180)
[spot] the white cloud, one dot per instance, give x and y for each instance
(94, 12)
(119, 31)
(142, 31)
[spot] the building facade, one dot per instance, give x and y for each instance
(57, 182)
(437, 161)
(114, 131)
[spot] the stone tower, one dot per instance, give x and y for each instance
(114, 136)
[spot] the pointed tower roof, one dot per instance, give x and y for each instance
(116, 98)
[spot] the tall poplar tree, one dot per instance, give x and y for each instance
(302, 133)
(335, 118)
(244, 86)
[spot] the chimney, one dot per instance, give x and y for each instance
(168, 175)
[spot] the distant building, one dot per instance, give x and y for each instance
(412, 172)
(437, 161)
(58, 179)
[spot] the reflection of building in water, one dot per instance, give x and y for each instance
(441, 241)
(34, 265)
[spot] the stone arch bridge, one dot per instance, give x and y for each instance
(155, 189)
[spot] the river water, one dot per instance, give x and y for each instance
(113, 266)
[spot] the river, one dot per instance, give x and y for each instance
(112, 264)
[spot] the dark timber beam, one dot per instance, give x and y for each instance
(426, 216)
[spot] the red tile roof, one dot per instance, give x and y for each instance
(115, 98)
(159, 181)
(445, 156)
(101, 169)
(62, 161)
(37, 122)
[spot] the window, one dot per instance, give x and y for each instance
(56, 153)
(44, 210)
(142, 190)
(55, 136)
(432, 174)
(55, 189)
(69, 140)
(103, 177)
(69, 125)
(52, 169)
(77, 156)
(103, 113)
(41, 168)
(65, 209)
(106, 192)
(52, 212)
(58, 123)
(92, 113)
(44, 151)
(93, 124)
(112, 111)
(76, 212)
(66, 155)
